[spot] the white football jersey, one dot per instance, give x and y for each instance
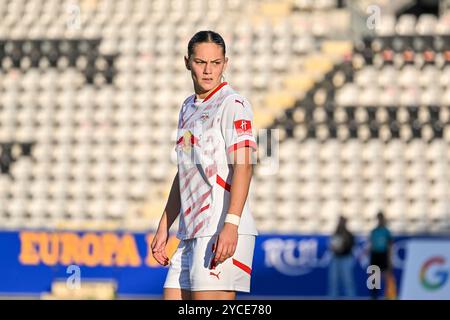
(208, 132)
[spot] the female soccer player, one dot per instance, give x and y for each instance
(215, 153)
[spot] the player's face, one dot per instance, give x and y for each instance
(207, 63)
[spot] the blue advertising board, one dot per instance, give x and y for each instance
(283, 265)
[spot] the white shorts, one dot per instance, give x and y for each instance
(190, 266)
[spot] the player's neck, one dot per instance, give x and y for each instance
(203, 95)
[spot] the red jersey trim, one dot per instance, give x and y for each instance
(242, 266)
(242, 144)
(215, 90)
(223, 183)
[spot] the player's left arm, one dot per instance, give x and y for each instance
(242, 176)
(241, 146)
(240, 184)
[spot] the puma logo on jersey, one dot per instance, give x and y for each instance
(241, 102)
(215, 275)
(187, 141)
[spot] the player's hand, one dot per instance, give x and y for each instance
(159, 247)
(226, 243)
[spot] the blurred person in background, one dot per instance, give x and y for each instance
(380, 244)
(341, 267)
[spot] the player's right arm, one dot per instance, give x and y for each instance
(169, 215)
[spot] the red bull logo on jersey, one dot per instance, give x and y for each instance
(243, 127)
(186, 141)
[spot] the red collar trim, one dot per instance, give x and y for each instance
(214, 91)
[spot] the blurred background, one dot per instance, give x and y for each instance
(355, 93)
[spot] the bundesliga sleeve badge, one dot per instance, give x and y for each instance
(243, 127)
